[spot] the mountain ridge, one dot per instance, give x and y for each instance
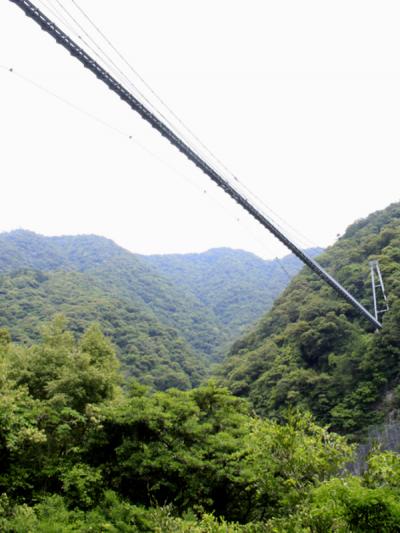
(313, 350)
(161, 327)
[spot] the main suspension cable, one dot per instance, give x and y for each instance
(227, 171)
(214, 162)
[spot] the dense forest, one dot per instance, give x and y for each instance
(82, 451)
(314, 352)
(269, 444)
(166, 331)
(237, 286)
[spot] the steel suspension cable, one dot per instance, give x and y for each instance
(185, 178)
(186, 128)
(205, 152)
(121, 76)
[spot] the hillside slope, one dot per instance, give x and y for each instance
(313, 350)
(208, 298)
(169, 316)
(237, 286)
(121, 274)
(149, 350)
(89, 278)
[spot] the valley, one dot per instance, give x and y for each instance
(170, 317)
(197, 393)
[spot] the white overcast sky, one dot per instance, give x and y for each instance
(301, 99)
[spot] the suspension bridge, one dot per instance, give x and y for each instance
(141, 107)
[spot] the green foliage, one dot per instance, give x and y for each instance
(179, 447)
(345, 506)
(107, 269)
(383, 470)
(168, 323)
(82, 449)
(287, 461)
(236, 286)
(313, 351)
(169, 316)
(79, 453)
(148, 349)
(82, 485)
(48, 405)
(112, 516)
(5, 337)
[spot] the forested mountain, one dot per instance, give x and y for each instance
(149, 350)
(116, 271)
(237, 286)
(168, 328)
(83, 450)
(314, 351)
